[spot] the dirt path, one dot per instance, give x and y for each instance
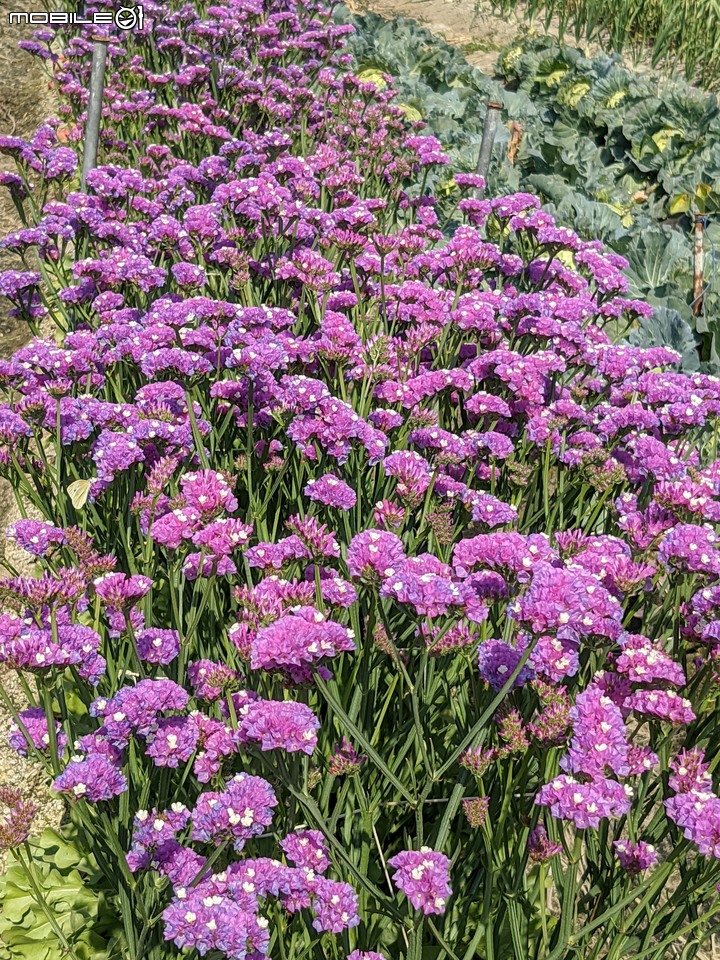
(25, 101)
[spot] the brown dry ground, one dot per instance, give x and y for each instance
(25, 101)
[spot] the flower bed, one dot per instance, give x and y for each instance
(377, 588)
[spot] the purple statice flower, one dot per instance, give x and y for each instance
(585, 803)
(273, 556)
(16, 817)
(555, 657)
(36, 537)
(188, 275)
(278, 725)
(210, 680)
(35, 722)
(153, 829)
(175, 526)
(120, 592)
(635, 857)
(365, 955)
(644, 661)
(690, 547)
(158, 646)
(335, 591)
(599, 736)
(388, 515)
(306, 849)
(413, 474)
(497, 661)
(215, 742)
(96, 742)
(489, 511)
(345, 760)
(374, 555)
(335, 905)
(216, 923)
(196, 565)
(425, 583)
(27, 647)
(173, 741)
(570, 599)
(332, 492)
(304, 637)
(242, 810)
(136, 709)
(438, 642)
(698, 815)
(502, 551)
(223, 536)
(93, 779)
(423, 876)
(663, 704)
(208, 493)
(641, 760)
(540, 847)
(689, 772)
(317, 540)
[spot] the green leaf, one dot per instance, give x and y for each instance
(64, 874)
(680, 204)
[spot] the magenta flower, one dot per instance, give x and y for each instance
(158, 646)
(374, 555)
(585, 803)
(278, 725)
(332, 492)
(423, 877)
(497, 662)
(306, 849)
(635, 857)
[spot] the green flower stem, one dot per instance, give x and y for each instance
(569, 892)
(353, 729)
(209, 863)
(197, 437)
(470, 738)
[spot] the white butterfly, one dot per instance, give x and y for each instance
(78, 492)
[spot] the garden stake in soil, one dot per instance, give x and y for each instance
(698, 263)
(486, 144)
(94, 110)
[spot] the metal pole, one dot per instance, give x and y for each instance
(94, 110)
(698, 264)
(488, 138)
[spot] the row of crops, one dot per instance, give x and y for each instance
(618, 155)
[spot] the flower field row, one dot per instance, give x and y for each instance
(377, 589)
